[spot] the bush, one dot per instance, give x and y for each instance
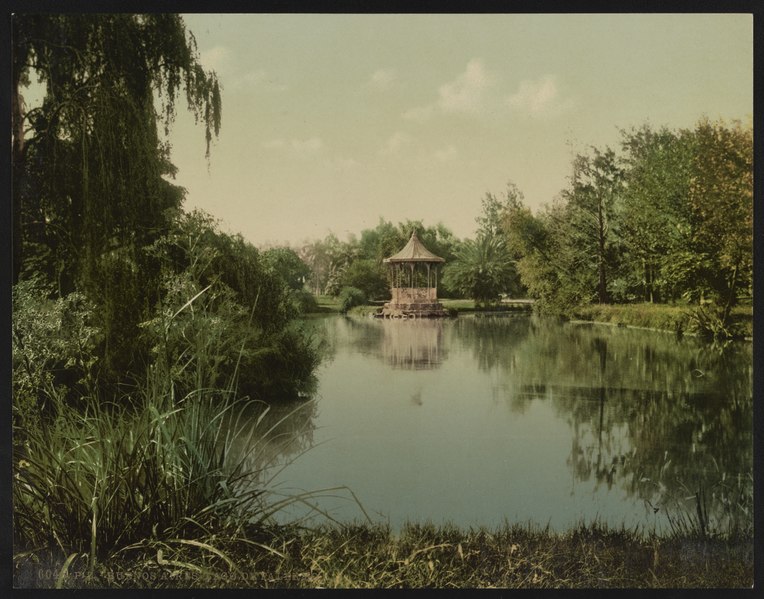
(369, 277)
(53, 348)
(304, 301)
(351, 297)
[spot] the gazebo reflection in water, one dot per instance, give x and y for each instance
(412, 345)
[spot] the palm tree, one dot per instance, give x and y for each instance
(483, 269)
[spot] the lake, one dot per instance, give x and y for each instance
(476, 421)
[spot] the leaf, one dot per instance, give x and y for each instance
(64, 570)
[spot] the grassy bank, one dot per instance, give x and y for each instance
(663, 317)
(421, 556)
(327, 303)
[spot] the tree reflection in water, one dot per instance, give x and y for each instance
(669, 421)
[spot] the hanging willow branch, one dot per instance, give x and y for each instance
(109, 68)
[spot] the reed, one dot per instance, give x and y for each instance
(150, 469)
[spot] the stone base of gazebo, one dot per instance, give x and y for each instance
(412, 310)
(416, 302)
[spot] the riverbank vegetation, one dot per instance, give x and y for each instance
(679, 319)
(669, 220)
(419, 556)
(139, 329)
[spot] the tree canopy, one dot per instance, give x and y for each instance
(669, 218)
(90, 170)
(88, 163)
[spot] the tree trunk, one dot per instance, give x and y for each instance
(602, 294)
(17, 170)
(730, 297)
(645, 272)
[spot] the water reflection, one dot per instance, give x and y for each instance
(407, 344)
(471, 421)
(667, 421)
(261, 436)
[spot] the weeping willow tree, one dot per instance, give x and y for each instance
(89, 165)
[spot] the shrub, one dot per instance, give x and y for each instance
(53, 348)
(351, 297)
(368, 276)
(304, 301)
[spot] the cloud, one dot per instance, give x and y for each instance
(257, 79)
(307, 146)
(465, 94)
(540, 97)
(344, 164)
(301, 146)
(420, 113)
(396, 141)
(223, 61)
(274, 143)
(382, 79)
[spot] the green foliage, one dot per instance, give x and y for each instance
(165, 467)
(333, 265)
(670, 219)
(721, 198)
(644, 315)
(369, 276)
(483, 269)
(494, 210)
(89, 165)
(656, 216)
(223, 310)
(589, 220)
(288, 265)
(54, 345)
(351, 297)
(304, 302)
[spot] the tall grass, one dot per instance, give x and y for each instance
(116, 474)
(153, 469)
(722, 511)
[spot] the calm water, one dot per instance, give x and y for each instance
(476, 421)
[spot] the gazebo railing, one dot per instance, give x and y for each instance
(409, 295)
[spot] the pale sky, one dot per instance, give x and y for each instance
(333, 121)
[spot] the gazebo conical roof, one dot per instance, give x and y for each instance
(414, 251)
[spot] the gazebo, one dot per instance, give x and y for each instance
(414, 283)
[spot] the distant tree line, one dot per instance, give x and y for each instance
(358, 262)
(667, 218)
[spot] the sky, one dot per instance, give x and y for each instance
(331, 122)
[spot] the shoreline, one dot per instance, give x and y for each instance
(422, 555)
(620, 325)
(674, 319)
